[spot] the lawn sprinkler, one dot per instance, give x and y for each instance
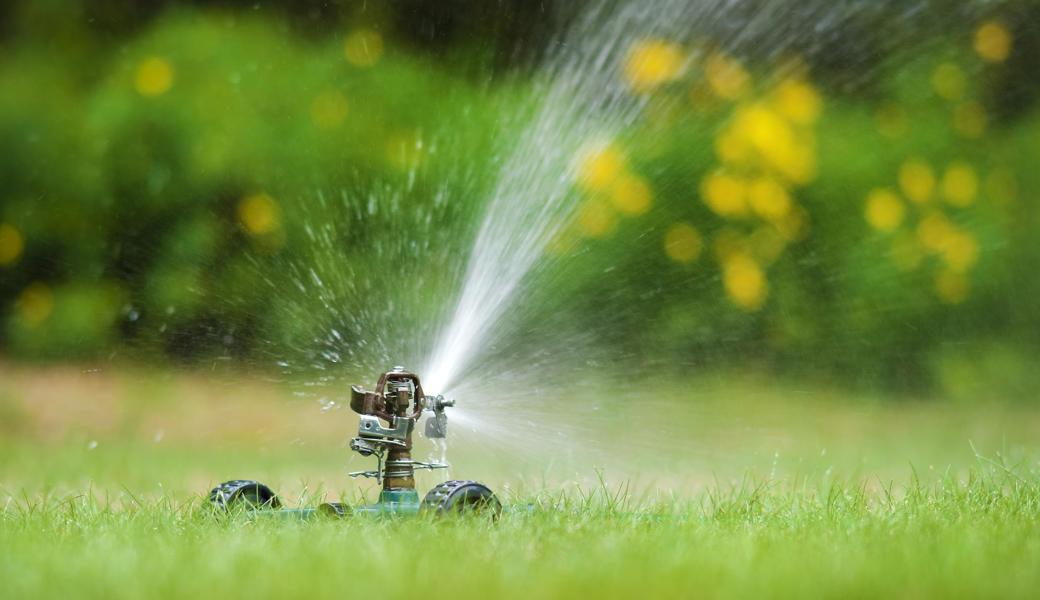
(399, 401)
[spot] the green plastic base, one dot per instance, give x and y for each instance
(393, 502)
(390, 503)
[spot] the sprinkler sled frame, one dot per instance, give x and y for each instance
(399, 400)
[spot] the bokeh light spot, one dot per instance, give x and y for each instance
(599, 168)
(934, 231)
(993, 42)
(726, 76)
(768, 198)
(917, 180)
(631, 195)
(258, 214)
(363, 47)
(798, 101)
(949, 81)
(651, 63)
(724, 194)
(960, 251)
(11, 244)
(744, 281)
(682, 243)
(960, 184)
(154, 76)
(884, 211)
(596, 219)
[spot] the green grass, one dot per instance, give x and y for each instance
(745, 490)
(948, 539)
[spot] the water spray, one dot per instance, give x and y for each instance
(399, 401)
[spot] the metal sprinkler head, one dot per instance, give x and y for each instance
(399, 400)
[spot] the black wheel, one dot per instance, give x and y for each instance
(462, 497)
(243, 494)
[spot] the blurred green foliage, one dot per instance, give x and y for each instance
(160, 181)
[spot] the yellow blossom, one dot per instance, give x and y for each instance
(949, 81)
(651, 63)
(884, 211)
(599, 168)
(934, 231)
(960, 251)
(768, 198)
(917, 180)
(363, 47)
(798, 101)
(724, 194)
(596, 219)
(154, 76)
(682, 243)
(773, 138)
(258, 214)
(11, 244)
(993, 42)
(732, 148)
(726, 76)
(744, 281)
(960, 184)
(631, 195)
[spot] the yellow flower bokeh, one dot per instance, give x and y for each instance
(960, 251)
(258, 214)
(651, 63)
(744, 281)
(726, 76)
(934, 230)
(960, 184)
(725, 194)
(682, 243)
(949, 81)
(917, 180)
(798, 101)
(11, 244)
(884, 210)
(599, 168)
(631, 195)
(154, 76)
(596, 219)
(768, 198)
(993, 42)
(363, 47)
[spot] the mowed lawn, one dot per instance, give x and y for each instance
(737, 490)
